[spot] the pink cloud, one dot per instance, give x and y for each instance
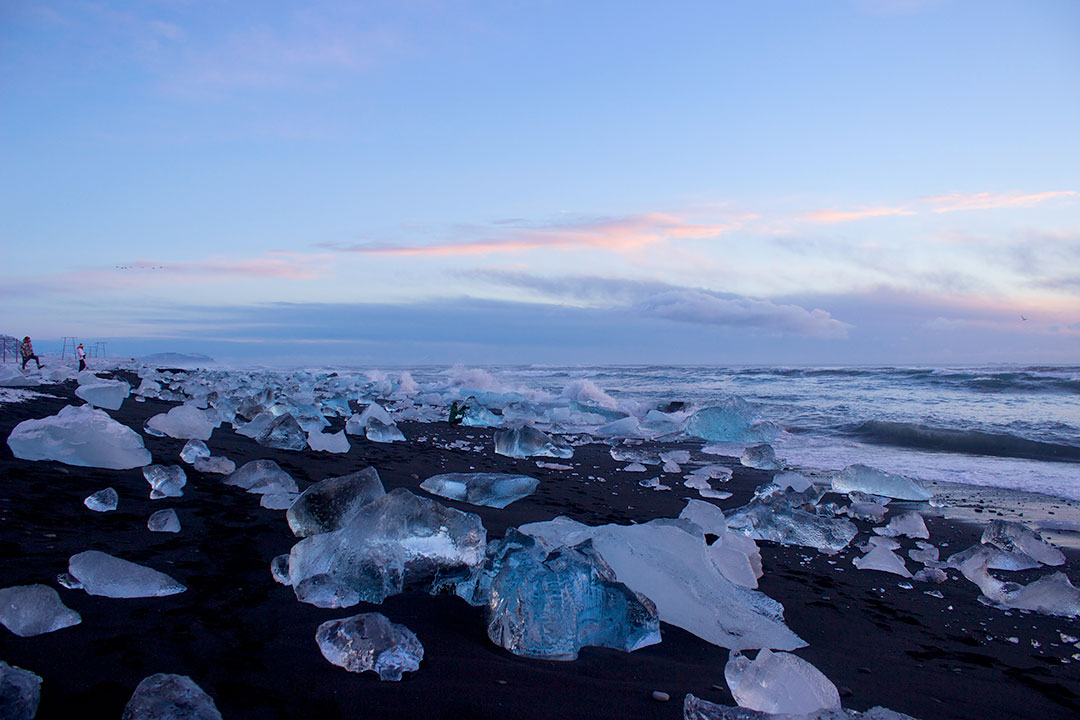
(843, 216)
(992, 201)
(618, 235)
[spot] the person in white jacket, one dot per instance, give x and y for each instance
(81, 354)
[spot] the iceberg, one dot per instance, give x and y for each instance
(732, 420)
(667, 561)
(262, 477)
(107, 394)
(332, 503)
(29, 610)
(165, 480)
(164, 521)
(329, 442)
(910, 524)
(284, 433)
(79, 436)
(1013, 537)
(878, 482)
(20, 693)
(495, 490)
(370, 642)
(170, 697)
(103, 500)
(527, 441)
(762, 457)
(194, 450)
(779, 683)
(183, 422)
(108, 576)
(397, 541)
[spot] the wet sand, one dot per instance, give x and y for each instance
(250, 644)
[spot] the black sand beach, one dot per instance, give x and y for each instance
(250, 644)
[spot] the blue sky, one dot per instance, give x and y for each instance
(863, 181)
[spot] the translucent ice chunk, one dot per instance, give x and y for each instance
(527, 441)
(164, 521)
(182, 422)
(397, 541)
(380, 432)
(707, 516)
(20, 692)
(284, 433)
(257, 426)
(330, 504)
(762, 457)
(325, 591)
(79, 436)
(786, 525)
(11, 377)
(170, 697)
(329, 442)
(878, 482)
(1053, 595)
(779, 683)
(993, 557)
(1014, 537)
(732, 420)
(370, 642)
(29, 610)
(883, 559)
(910, 524)
(103, 500)
(930, 575)
(793, 480)
(103, 574)
(262, 477)
(194, 450)
(695, 708)
(926, 554)
(107, 394)
(165, 480)
(214, 464)
(495, 490)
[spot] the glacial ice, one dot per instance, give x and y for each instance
(79, 435)
(324, 591)
(495, 490)
(262, 477)
(214, 464)
(328, 442)
(706, 515)
(732, 420)
(20, 693)
(930, 575)
(103, 500)
(194, 450)
(527, 441)
(793, 480)
(331, 503)
(926, 553)
(165, 480)
(779, 683)
(882, 558)
(284, 433)
(549, 605)
(787, 525)
(12, 377)
(107, 394)
(370, 642)
(694, 708)
(380, 432)
(910, 524)
(29, 610)
(762, 457)
(183, 422)
(109, 576)
(256, 426)
(396, 541)
(878, 482)
(170, 697)
(375, 424)
(1013, 537)
(993, 557)
(668, 562)
(1053, 594)
(164, 521)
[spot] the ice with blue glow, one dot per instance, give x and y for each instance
(284, 433)
(330, 504)
(79, 435)
(369, 641)
(184, 422)
(109, 576)
(879, 482)
(776, 515)
(107, 394)
(527, 441)
(29, 610)
(731, 420)
(20, 693)
(495, 490)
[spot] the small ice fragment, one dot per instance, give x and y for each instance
(380, 432)
(29, 610)
(165, 480)
(634, 467)
(277, 500)
(327, 442)
(170, 697)
(214, 464)
(884, 559)
(910, 524)
(878, 482)
(20, 692)
(279, 569)
(183, 422)
(284, 433)
(495, 490)
(1014, 537)
(369, 641)
(262, 477)
(164, 521)
(66, 580)
(194, 450)
(762, 457)
(103, 500)
(779, 682)
(108, 576)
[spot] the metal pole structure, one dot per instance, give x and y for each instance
(102, 344)
(63, 350)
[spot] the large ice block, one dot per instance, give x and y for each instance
(527, 441)
(731, 420)
(29, 610)
(1053, 594)
(331, 503)
(170, 697)
(183, 422)
(284, 433)
(787, 525)
(109, 576)
(1013, 537)
(370, 642)
(80, 436)
(262, 477)
(107, 394)
(878, 482)
(779, 683)
(20, 693)
(495, 490)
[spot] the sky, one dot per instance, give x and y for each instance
(423, 182)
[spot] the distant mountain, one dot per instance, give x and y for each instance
(185, 360)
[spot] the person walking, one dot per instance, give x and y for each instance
(81, 354)
(28, 353)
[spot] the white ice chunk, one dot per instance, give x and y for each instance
(370, 642)
(779, 683)
(79, 436)
(329, 442)
(793, 480)
(910, 524)
(10, 376)
(380, 432)
(527, 441)
(103, 500)
(1014, 537)
(164, 521)
(170, 697)
(20, 692)
(263, 477)
(109, 576)
(883, 559)
(708, 517)
(165, 480)
(182, 422)
(1053, 595)
(675, 456)
(762, 457)
(194, 450)
(878, 482)
(331, 503)
(29, 610)
(495, 490)
(107, 394)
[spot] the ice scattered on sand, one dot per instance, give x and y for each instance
(930, 575)
(284, 433)
(164, 521)
(553, 466)
(779, 683)
(380, 432)
(262, 477)
(910, 524)
(1014, 537)
(165, 480)
(762, 457)
(194, 450)
(331, 503)
(11, 377)
(927, 554)
(1053, 594)
(183, 422)
(695, 708)
(103, 500)
(80, 436)
(170, 697)
(375, 424)
(878, 482)
(881, 557)
(527, 441)
(329, 442)
(495, 490)
(20, 692)
(107, 394)
(993, 557)
(776, 518)
(29, 610)
(215, 465)
(109, 576)
(370, 642)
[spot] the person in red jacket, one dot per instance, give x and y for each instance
(28, 353)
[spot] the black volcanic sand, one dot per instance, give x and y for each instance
(250, 644)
